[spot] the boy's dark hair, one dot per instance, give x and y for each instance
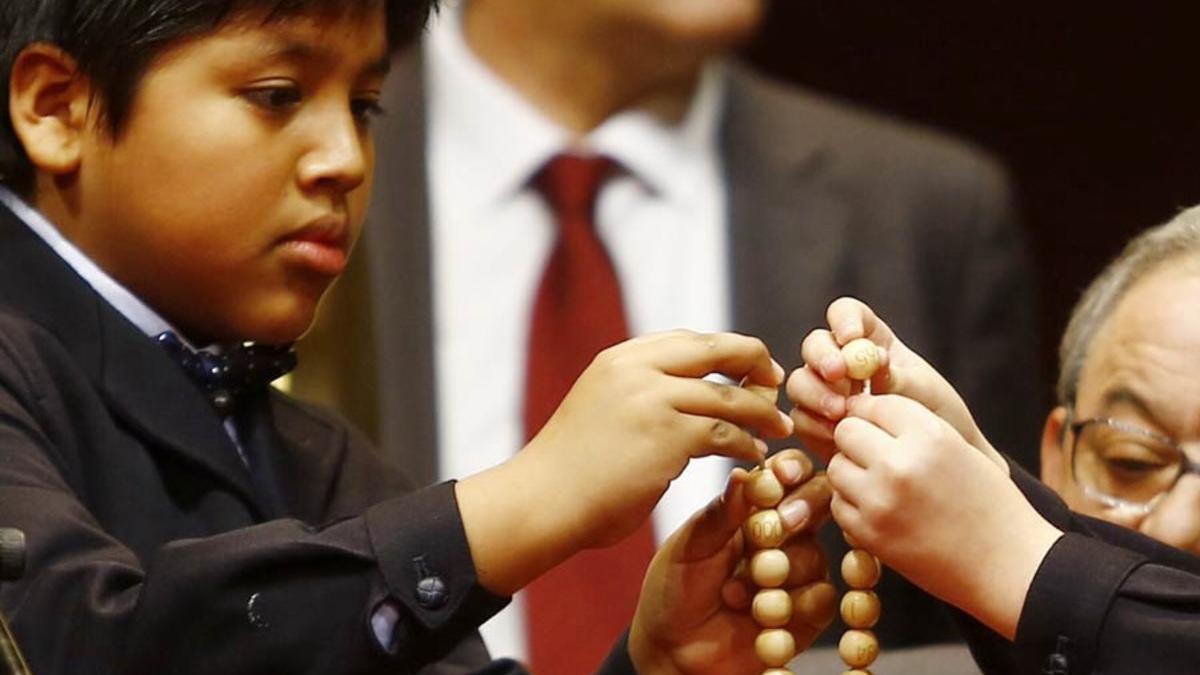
(114, 41)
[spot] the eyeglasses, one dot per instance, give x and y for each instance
(1123, 466)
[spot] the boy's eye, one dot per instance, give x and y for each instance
(274, 98)
(365, 109)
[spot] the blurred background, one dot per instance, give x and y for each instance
(1095, 108)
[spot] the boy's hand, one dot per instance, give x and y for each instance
(693, 615)
(820, 388)
(911, 490)
(639, 412)
(627, 428)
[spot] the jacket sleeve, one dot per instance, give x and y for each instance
(1105, 599)
(279, 597)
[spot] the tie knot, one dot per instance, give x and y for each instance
(570, 182)
(227, 377)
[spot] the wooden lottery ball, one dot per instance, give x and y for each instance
(860, 570)
(765, 529)
(772, 608)
(769, 568)
(765, 489)
(858, 648)
(862, 358)
(775, 647)
(860, 609)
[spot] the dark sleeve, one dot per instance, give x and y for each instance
(279, 597)
(1105, 599)
(994, 360)
(618, 661)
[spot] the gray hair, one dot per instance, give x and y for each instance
(1145, 254)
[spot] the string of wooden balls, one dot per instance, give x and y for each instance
(860, 570)
(769, 566)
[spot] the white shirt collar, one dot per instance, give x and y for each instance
(514, 139)
(125, 302)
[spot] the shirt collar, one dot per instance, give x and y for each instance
(498, 140)
(147, 320)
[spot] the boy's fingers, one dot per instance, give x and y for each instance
(713, 436)
(814, 607)
(729, 402)
(767, 393)
(847, 517)
(847, 480)
(739, 357)
(809, 392)
(860, 440)
(851, 318)
(821, 352)
(815, 433)
(806, 507)
(791, 466)
(895, 415)
(806, 561)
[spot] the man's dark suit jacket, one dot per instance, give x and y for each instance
(824, 200)
(149, 550)
(1106, 599)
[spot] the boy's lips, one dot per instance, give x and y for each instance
(322, 246)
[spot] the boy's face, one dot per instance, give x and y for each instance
(231, 198)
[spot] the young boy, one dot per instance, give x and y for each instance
(918, 485)
(193, 174)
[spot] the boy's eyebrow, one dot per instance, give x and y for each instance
(307, 52)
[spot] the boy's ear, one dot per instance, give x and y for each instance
(48, 104)
(1053, 453)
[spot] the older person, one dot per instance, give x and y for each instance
(1051, 590)
(1122, 443)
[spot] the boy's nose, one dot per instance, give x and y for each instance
(338, 158)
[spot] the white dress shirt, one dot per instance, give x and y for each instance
(662, 219)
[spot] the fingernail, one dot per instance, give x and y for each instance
(794, 513)
(779, 371)
(786, 421)
(790, 469)
(848, 331)
(761, 446)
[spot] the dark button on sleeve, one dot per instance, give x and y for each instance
(431, 592)
(427, 568)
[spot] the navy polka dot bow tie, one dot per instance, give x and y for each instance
(227, 377)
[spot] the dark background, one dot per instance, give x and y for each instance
(1095, 110)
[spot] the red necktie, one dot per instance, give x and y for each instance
(577, 610)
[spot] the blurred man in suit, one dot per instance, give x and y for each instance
(717, 181)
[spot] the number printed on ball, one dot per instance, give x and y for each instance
(862, 358)
(765, 529)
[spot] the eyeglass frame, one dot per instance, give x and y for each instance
(1186, 466)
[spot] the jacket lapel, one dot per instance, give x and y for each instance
(142, 386)
(787, 224)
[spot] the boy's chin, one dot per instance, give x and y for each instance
(264, 326)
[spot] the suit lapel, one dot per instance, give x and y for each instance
(142, 386)
(787, 225)
(398, 244)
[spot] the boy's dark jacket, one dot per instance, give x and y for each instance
(148, 552)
